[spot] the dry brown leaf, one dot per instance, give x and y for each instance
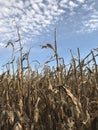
(50, 86)
(17, 126)
(11, 117)
(75, 101)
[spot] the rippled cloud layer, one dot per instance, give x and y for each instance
(34, 16)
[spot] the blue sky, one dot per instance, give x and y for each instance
(76, 22)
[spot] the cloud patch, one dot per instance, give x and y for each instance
(72, 4)
(2, 45)
(32, 17)
(81, 1)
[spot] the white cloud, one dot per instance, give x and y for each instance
(63, 3)
(88, 8)
(36, 8)
(81, 1)
(94, 16)
(72, 4)
(91, 23)
(2, 45)
(28, 15)
(34, 16)
(91, 26)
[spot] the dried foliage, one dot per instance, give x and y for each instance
(54, 99)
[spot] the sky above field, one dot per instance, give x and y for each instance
(76, 23)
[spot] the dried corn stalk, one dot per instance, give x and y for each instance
(36, 111)
(11, 117)
(50, 86)
(75, 101)
(17, 126)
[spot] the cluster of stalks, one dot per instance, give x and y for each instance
(57, 98)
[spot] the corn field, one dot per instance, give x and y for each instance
(57, 98)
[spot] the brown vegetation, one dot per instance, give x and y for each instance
(60, 98)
